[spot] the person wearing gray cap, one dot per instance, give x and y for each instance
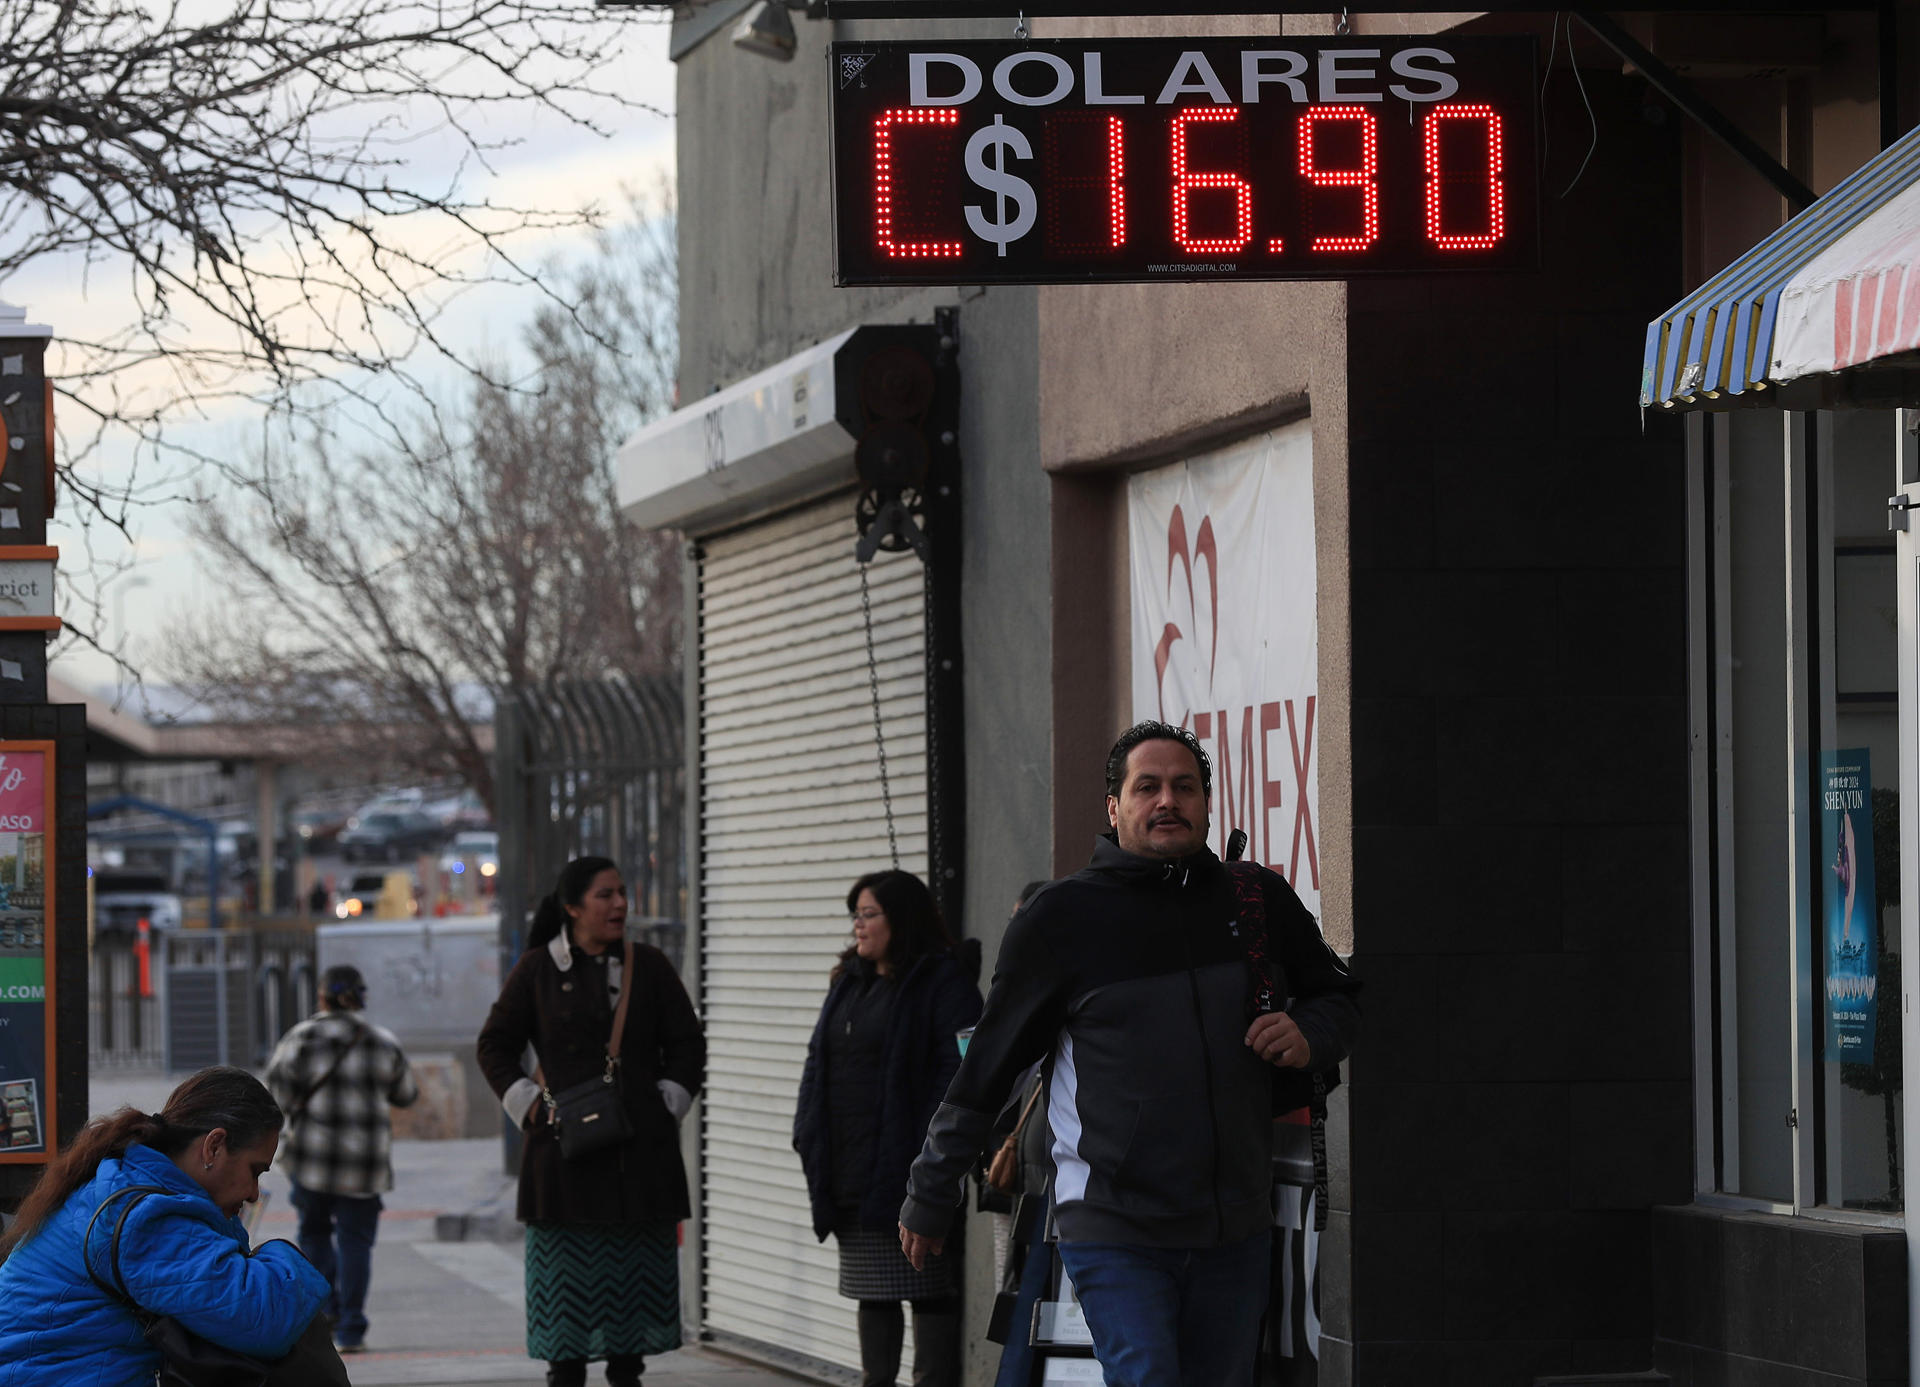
(336, 1074)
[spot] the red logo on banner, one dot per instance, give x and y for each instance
(1245, 801)
(1204, 548)
(23, 794)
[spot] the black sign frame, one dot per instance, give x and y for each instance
(1391, 109)
(1107, 9)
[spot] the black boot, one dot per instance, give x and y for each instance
(936, 1343)
(624, 1369)
(883, 1329)
(567, 1372)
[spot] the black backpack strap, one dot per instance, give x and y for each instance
(119, 1288)
(1251, 925)
(1252, 921)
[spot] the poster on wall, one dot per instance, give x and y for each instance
(1226, 635)
(1853, 924)
(26, 1008)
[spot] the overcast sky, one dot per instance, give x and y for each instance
(556, 166)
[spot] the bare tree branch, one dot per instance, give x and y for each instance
(381, 598)
(245, 178)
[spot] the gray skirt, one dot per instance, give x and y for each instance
(872, 1266)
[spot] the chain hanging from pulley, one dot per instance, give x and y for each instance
(879, 734)
(894, 463)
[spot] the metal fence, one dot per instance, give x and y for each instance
(123, 1016)
(208, 997)
(593, 766)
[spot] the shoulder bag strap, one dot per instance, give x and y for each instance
(627, 982)
(619, 1025)
(119, 1289)
(300, 1106)
(1039, 1087)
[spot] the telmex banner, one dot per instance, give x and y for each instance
(1226, 635)
(1070, 161)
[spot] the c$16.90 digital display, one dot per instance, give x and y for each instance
(1143, 159)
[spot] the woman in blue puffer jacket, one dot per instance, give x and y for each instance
(183, 1252)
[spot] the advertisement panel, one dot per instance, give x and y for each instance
(26, 972)
(1853, 925)
(1226, 636)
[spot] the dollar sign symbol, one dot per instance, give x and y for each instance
(1003, 185)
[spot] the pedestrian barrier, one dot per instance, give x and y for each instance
(123, 1015)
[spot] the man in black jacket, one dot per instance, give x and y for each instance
(1180, 1003)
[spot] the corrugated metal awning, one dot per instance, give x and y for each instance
(1720, 346)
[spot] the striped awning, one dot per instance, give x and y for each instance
(1828, 290)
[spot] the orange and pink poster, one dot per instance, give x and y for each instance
(26, 973)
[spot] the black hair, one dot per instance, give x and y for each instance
(1153, 731)
(568, 889)
(343, 988)
(914, 926)
(214, 1099)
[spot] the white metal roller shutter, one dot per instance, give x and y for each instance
(791, 814)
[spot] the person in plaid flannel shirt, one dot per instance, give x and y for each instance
(335, 1074)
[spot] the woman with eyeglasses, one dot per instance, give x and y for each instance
(882, 1054)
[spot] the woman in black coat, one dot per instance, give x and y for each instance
(881, 1057)
(607, 1218)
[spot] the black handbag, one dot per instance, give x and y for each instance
(592, 1115)
(188, 1359)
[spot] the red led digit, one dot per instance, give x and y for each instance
(1085, 150)
(1485, 180)
(1365, 178)
(1184, 183)
(883, 182)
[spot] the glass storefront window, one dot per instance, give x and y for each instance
(1856, 940)
(1796, 807)
(1755, 915)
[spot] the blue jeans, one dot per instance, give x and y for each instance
(336, 1234)
(1173, 1317)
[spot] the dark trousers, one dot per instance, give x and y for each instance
(1016, 1357)
(336, 1234)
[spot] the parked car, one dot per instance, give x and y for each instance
(318, 828)
(379, 896)
(390, 835)
(121, 900)
(461, 812)
(477, 851)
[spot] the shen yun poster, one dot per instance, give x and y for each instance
(1853, 926)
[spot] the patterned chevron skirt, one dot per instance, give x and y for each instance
(594, 1290)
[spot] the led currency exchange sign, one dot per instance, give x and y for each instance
(1143, 159)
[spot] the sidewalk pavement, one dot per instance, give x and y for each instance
(444, 1312)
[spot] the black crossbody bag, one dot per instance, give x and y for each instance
(591, 1115)
(188, 1359)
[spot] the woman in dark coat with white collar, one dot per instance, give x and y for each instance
(882, 1055)
(608, 1217)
